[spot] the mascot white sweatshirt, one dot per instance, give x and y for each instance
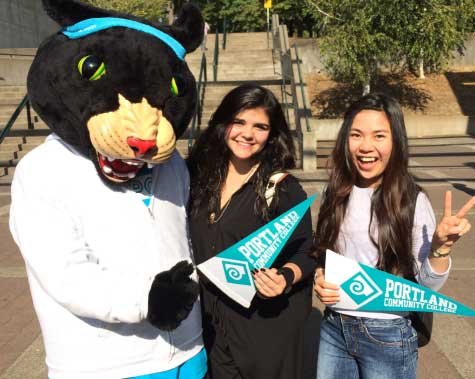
(91, 254)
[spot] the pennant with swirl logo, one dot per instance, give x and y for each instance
(365, 288)
(230, 270)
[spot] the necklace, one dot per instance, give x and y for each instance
(212, 217)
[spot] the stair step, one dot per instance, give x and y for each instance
(9, 147)
(5, 189)
(22, 117)
(23, 140)
(8, 109)
(12, 89)
(10, 100)
(13, 140)
(8, 162)
(6, 176)
(16, 148)
(6, 115)
(7, 154)
(24, 126)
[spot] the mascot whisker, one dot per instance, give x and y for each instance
(99, 209)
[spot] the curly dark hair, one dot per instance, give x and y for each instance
(209, 158)
(392, 203)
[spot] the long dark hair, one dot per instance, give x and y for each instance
(209, 157)
(392, 203)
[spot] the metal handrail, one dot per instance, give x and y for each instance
(200, 90)
(283, 52)
(25, 102)
(304, 101)
(216, 53)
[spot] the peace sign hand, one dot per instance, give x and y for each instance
(451, 228)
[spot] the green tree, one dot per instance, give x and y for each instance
(361, 36)
(428, 31)
(211, 10)
(354, 44)
(296, 15)
(241, 15)
(150, 9)
(245, 15)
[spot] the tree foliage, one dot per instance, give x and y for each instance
(241, 15)
(427, 32)
(154, 10)
(297, 16)
(250, 15)
(361, 36)
(354, 44)
(245, 15)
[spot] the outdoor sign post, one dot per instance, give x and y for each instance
(268, 6)
(231, 269)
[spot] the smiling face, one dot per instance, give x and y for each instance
(370, 144)
(248, 134)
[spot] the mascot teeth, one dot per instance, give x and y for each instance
(119, 170)
(132, 163)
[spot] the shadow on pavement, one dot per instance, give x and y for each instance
(463, 86)
(464, 188)
(333, 102)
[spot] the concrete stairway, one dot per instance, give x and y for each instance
(10, 97)
(20, 140)
(246, 57)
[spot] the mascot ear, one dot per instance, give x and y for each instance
(69, 12)
(188, 28)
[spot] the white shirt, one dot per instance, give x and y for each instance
(354, 241)
(91, 253)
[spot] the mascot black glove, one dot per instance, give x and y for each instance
(172, 296)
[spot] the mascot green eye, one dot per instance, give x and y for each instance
(91, 67)
(178, 86)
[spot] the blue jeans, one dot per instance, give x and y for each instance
(366, 348)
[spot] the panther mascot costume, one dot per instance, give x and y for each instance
(99, 209)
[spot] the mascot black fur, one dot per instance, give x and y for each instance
(99, 210)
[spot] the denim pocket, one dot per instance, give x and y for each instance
(386, 335)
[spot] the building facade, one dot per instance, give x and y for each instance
(23, 24)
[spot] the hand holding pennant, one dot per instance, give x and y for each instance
(365, 288)
(231, 270)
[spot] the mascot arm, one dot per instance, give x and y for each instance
(173, 292)
(60, 262)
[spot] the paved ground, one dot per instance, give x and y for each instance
(438, 165)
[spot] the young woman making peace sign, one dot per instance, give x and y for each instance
(373, 211)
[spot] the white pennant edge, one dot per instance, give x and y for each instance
(236, 296)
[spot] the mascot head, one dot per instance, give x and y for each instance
(114, 86)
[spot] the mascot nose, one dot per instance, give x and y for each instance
(140, 146)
